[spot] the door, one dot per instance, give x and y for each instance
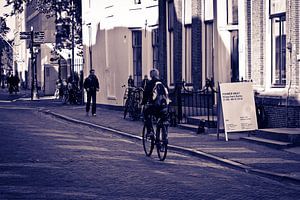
(51, 74)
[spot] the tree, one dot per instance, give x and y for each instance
(3, 45)
(64, 14)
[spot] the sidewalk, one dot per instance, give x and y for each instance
(253, 158)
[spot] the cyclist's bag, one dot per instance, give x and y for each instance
(160, 95)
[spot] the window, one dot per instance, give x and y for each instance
(277, 7)
(209, 49)
(137, 56)
(187, 68)
(155, 44)
(278, 43)
(232, 12)
(188, 55)
(208, 10)
(171, 15)
(187, 12)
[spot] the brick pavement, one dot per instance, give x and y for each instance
(42, 157)
(279, 164)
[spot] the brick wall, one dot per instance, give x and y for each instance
(296, 7)
(196, 44)
(282, 116)
(258, 40)
(293, 18)
(248, 39)
(277, 114)
(162, 40)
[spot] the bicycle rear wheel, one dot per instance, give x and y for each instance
(148, 142)
(161, 143)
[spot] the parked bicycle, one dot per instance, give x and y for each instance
(68, 93)
(132, 102)
(159, 139)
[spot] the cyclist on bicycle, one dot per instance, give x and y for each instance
(151, 108)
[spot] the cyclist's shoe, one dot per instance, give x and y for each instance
(94, 115)
(162, 147)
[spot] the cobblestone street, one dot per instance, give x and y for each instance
(43, 157)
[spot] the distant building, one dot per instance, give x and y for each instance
(46, 73)
(20, 52)
(6, 56)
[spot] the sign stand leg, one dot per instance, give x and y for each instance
(226, 136)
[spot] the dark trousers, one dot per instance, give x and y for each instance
(157, 112)
(91, 95)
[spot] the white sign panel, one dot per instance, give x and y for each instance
(238, 107)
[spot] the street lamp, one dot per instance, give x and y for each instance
(33, 52)
(90, 45)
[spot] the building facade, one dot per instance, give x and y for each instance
(234, 40)
(119, 39)
(20, 58)
(46, 72)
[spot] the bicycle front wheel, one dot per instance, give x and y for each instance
(148, 142)
(126, 108)
(161, 143)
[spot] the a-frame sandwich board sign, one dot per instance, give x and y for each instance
(236, 108)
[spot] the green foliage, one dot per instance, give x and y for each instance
(3, 27)
(65, 15)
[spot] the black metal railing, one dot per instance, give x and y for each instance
(189, 102)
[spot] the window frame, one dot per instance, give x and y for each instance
(188, 54)
(171, 15)
(233, 21)
(281, 58)
(137, 56)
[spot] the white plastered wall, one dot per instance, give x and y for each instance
(111, 23)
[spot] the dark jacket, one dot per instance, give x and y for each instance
(144, 83)
(91, 83)
(130, 82)
(148, 92)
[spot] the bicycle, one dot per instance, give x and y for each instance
(159, 139)
(131, 101)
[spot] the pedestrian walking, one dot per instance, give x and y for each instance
(130, 81)
(10, 83)
(91, 85)
(145, 81)
(16, 81)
